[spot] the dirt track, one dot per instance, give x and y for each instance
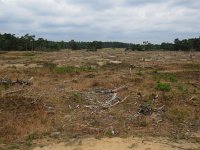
(123, 144)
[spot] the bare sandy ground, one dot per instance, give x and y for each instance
(123, 144)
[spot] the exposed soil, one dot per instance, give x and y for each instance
(123, 144)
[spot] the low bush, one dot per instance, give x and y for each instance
(163, 86)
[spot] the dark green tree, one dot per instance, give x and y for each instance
(73, 45)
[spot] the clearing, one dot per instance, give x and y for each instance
(109, 99)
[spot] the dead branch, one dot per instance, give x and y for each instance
(116, 103)
(191, 98)
(125, 98)
(11, 92)
(91, 107)
(119, 89)
(113, 98)
(20, 82)
(161, 108)
(120, 101)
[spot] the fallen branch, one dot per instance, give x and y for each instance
(119, 89)
(120, 101)
(20, 82)
(11, 92)
(91, 107)
(191, 98)
(116, 103)
(113, 98)
(23, 82)
(161, 108)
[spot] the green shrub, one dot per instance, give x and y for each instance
(163, 86)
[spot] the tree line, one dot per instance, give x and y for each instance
(28, 42)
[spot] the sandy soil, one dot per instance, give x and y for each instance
(123, 144)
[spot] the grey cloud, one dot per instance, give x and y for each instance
(142, 2)
(119, 20)
(194, 4)
(95, 4)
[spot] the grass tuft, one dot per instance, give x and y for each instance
(163, 86)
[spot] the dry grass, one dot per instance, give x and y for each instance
(66, 90)
(21, 116)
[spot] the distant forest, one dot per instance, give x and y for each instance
(9, 42)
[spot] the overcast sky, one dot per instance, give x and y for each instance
(107, 20)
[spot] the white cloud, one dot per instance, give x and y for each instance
(124, 20)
